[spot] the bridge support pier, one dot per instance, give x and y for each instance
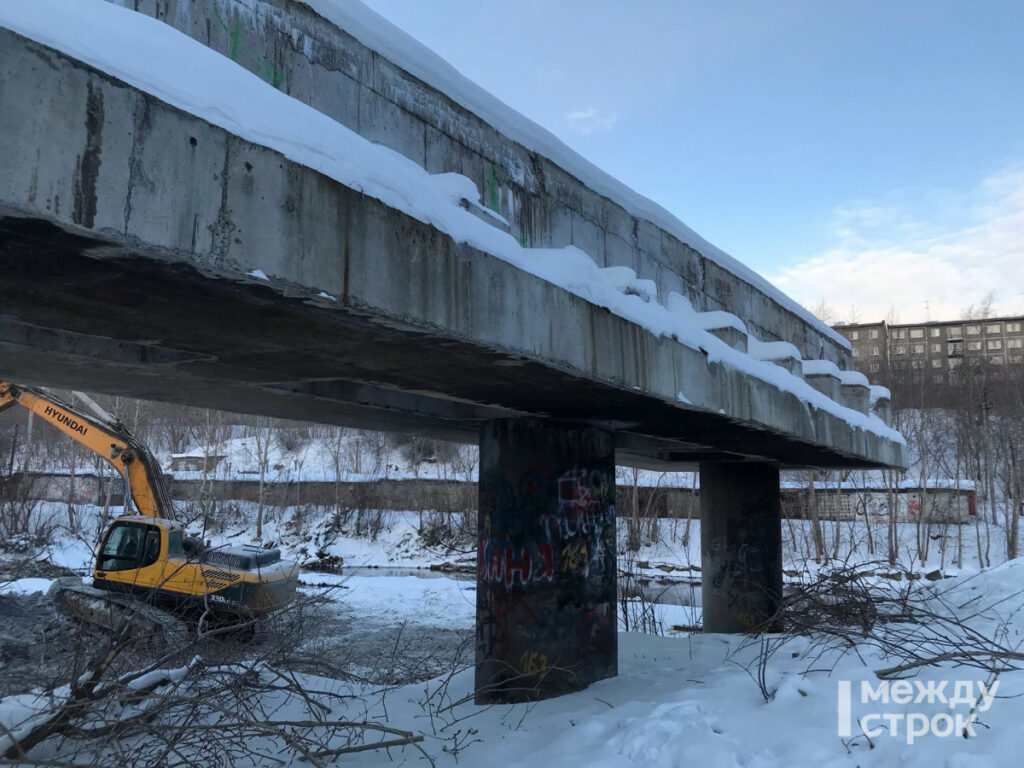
(741, 547)
(546, 569)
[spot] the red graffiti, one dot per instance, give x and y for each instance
(593, 631)
(495, 620)
(514, 567)
(499, 562)
(495, 566)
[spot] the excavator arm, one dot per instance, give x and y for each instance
(110, 440)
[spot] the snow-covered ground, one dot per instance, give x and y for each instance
(690, 701)
(679, 699)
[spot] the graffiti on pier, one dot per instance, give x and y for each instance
(536, 531)
(502, 562)
(575, 558)
(582, 509)
(546, 575)
(498, 612)
(744, 565)
(534, 664)
(597, 630)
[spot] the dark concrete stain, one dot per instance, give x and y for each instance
(223, 229)
(143, 128)
(33, 188)
(44, 55)
(88, 170)
(348, 259)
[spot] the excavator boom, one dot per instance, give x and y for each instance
(109, 440)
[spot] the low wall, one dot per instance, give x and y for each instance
(941, 505)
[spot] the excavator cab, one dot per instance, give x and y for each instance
(129, 545)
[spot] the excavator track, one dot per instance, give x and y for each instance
(113, 613)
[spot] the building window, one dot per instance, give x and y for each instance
(994, 344)
(917, 333)
(1013, 327)
(900, 334)
(875, 367)
(935, 332)
(915, 364)
(955, 332)
(939, 379)
(873, 333)
(1014, 343)
(900, 349)
(919, 349)
(974, 346)
(875, 352)
(937, 348)
(994, 328)
(936, 363)
(973, 330)
(1016, 359)
(854, 335)
(855, 352)
(954, 364)
(995, 359)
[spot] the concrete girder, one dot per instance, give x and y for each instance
(128, 232)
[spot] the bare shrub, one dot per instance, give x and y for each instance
(134, 702)
(914, 622)
(637, 601)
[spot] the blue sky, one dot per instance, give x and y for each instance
(860, 153)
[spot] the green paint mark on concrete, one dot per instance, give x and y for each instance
(492, 190)
(262, 69)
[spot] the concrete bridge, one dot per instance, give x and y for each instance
(159, 246)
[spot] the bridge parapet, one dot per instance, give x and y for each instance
(347, 62)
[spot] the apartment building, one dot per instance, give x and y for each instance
(935, 352)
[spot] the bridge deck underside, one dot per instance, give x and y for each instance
(81, 313)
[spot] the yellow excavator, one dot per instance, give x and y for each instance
(146, 559)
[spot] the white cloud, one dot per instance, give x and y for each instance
(928, 256)
(592, 120)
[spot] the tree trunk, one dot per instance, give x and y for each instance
(816, 532)
(259, 505)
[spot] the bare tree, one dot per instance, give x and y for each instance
(825, 312)
(983, 310)
(262, 433)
